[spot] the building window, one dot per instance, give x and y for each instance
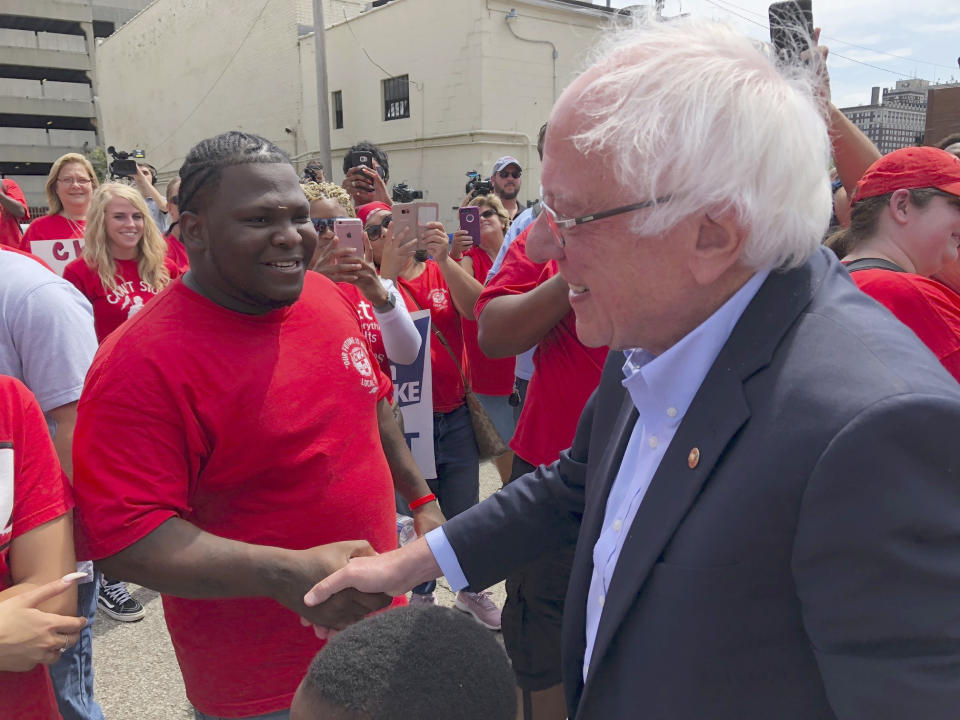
(396, 98)
(336, 102)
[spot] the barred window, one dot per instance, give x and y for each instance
(336, 102)
(396, 98)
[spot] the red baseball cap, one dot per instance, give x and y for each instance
(364, 211)
(908, 169)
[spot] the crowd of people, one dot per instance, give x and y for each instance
(722, 383)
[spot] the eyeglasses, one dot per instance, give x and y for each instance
(557, 224)
(74, 181)
(374, 231)
(324, 224)
(515, 174)
(488, 213)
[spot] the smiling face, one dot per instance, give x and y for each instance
(250, 244)
(124, 227)
(934, 234)
(74, 188)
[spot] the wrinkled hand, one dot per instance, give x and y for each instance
(462, 242)
(436, 241)
(341, 608)
(398, 250)
(427, 517)
(365, 185)
(29, 636)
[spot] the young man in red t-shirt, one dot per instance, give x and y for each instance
(524, 305)
(228, 444)
(36, 548)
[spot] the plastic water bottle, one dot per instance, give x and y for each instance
(405, 531)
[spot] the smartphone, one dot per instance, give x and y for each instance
(349, 233)
(357, 158)
(404, 216)
(470, 221)
(791, 28)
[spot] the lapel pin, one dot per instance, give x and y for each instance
(693, 459)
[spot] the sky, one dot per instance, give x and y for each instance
(898, 39)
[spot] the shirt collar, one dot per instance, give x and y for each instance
(669, 381)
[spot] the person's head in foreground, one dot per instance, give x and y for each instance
(651, 234)
(245, 223)
(416, 662)
(906, 209)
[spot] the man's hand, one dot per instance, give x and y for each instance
(339, 609)
(394, 573)
(427, 517)
(365, 185)
(143, 177)
(29, 636)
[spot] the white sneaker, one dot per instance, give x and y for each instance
(481, 606)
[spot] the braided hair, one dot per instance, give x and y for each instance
(201, 171)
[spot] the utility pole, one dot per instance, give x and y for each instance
(323, 108)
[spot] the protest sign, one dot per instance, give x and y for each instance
(414, 391)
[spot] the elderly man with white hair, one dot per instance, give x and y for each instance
(764, 491)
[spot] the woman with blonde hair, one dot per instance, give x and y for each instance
(124, 261)
(70, 186)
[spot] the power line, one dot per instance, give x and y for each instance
(217, 80)
(835, 54)
(847, 42)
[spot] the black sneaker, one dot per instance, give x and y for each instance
(116, 602)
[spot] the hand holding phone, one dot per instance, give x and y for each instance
(349, 234)
(470, 222)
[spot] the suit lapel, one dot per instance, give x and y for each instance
(718, 411)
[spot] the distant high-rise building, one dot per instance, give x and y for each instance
(897, 119)
(48, 83)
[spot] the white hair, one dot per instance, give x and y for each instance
(693, 110)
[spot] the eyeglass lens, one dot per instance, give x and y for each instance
(515, 174)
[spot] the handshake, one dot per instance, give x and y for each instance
(356, 581)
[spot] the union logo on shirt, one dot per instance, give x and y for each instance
(354, 354)
(439, 299)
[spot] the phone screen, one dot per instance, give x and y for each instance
(791, 27)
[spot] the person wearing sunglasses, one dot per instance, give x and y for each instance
(384, 317)
(506, 183)
(69, 189)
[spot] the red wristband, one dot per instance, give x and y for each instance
(429, 497)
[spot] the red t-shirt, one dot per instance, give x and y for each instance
(432, 293)
(258, 428)
(112, 307)
(488, 376)
(177, 253)
(566, 371)
(32, 492)
(925, 306)
(55, 239)
(10, 233)
(368, 324)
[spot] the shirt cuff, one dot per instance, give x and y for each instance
(446, 558)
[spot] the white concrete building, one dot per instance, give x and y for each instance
(48, 83)
(444, 86)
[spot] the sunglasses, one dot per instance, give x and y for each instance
(515, 174)
(374, 231)
(324, 224)
(488, 213)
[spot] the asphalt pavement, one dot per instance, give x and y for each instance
(136, 676)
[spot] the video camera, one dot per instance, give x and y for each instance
(403, 193)
(477, 185)
(124, 163)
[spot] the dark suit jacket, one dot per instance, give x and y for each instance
(807, 568)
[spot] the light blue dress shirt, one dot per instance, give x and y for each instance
(662, 388)
(524, 366)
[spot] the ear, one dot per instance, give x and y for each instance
(900, 206)
(192, 231)
(717, 247)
